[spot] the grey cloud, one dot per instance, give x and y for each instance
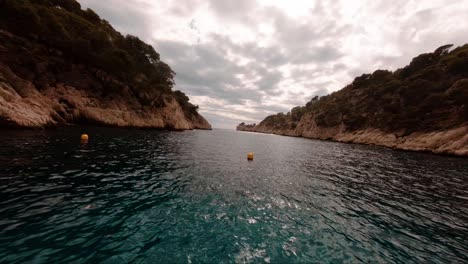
(318, 28)
(272, 55)
(239, 10)
(316, 55)
(204, 69)
(304, 43)
(275, 92)
(297, 43)
(226, 7)
(320, 92)
(269, 81)
(199, 64)
(424, 15)
(125, 16)
(339, 66)
(185, 8)
(269, 110)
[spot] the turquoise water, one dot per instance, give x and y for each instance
(139, 196)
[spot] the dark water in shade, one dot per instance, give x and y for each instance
(135, 196)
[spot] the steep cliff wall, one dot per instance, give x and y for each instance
(449, 141)
(23, 104)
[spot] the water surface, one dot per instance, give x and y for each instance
(140, 196)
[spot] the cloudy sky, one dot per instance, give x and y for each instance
(241, 60)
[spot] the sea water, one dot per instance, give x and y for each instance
(144, 196)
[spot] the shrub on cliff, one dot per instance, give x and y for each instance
(84, 38)
(183, 100)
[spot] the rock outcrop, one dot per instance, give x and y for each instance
(245, 127)
(23, 105)
(61, 65)
(451, 141)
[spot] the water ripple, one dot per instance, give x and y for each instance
(191, 197)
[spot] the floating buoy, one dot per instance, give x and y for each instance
(84, 138)
(250, 156)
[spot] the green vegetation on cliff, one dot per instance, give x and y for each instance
(429, 94)
(58, 33)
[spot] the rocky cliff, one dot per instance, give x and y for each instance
(246, 127)
(62, 65)
(421, 107)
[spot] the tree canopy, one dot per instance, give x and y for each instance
(83, 37)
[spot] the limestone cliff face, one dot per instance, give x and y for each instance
(450, 141)
(22, 104)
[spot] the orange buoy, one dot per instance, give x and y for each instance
(250, 156)
(84, 138)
